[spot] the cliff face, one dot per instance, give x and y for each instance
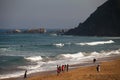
(105, 21)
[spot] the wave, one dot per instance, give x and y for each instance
(95, 43)
(16, 74)
(54, 34)
(4, 49)
(90, 54)
(70, 56)
(76, 58)
(59, 45)
(34, 58)
(105, 53)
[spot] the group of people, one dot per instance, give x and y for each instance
(98, 66)
(62, 68)
(66, 68)
(59, 70)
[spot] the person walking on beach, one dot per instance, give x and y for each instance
(67, 67)
(98, 68)
(58, 70)
(25, 75)
(63, 67)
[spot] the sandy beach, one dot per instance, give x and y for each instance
(109, 70)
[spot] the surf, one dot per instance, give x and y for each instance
(59, 44)
(95, 43)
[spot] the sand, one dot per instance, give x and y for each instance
(110, 70)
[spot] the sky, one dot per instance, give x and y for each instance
(26, 14)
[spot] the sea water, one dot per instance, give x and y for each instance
(42, 52)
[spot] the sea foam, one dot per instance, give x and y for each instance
(75, 58)
(34, 58)
(70, 56)
(59, 45)
(95, 43)
(16, 74)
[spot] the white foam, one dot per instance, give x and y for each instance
(4, 49)
(109, 53)
(96, 43)
(94, 54)
(34, 58)
(82, 55)
(73, 55)
(59, 45)
(70, 56)
(76, 58)
(16, 74)
(54, 34)
(32, 67)
(105, 53)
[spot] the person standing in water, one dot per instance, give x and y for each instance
(58, 70)
(25, 75)
(63, 68)
(94, 60)
(67, 67)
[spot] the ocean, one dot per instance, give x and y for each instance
(42, 52)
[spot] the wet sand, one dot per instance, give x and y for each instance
(110, 70)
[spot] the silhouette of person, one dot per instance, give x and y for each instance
(58, 70)
(67, 67)
(98, 68)
(94, 60)
(63, 67)
(25, 75)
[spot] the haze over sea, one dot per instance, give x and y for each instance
(42, 52)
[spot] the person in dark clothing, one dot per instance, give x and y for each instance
(63, 68)
(25, 75)
(98, 68)
(94, 60)
(58, 70)
(67, 67)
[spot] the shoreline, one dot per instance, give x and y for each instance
(72, 67)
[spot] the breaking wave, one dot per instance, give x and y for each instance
(34, 58)
(4, 49)
(59, 45)
(70, 56)
(75, 58)
(96, 43)
(91, 54)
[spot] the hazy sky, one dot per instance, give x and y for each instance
(45, 13)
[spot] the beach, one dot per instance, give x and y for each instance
(40, 54)
(109, 70)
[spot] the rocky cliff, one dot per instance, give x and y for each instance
(105, 21)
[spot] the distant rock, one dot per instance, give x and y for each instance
(17, 31)
(40, 30)
(105, 21)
